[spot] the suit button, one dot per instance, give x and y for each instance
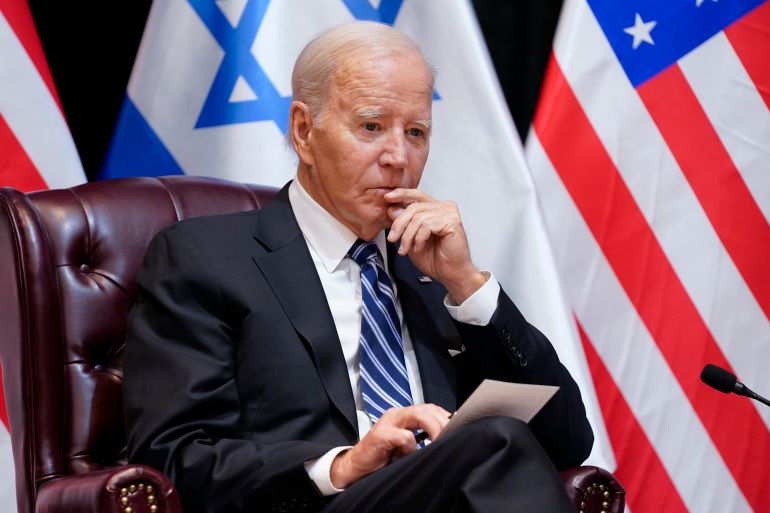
(506, 334)
(283, 507)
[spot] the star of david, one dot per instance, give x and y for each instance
(364, 10)
(240, 64)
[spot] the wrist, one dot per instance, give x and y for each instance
(465, 287)
(339, 472)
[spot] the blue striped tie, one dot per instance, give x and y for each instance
(384, 383)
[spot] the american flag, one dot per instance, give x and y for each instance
(650, 151)
(36, 150)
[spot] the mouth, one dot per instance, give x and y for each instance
(384, 190)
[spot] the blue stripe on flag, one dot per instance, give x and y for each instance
(387, 12)
(135, 149)
(363, 10)
(680, 26)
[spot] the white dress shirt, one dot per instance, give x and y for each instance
(329, 242)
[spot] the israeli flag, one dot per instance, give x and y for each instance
(210, 93)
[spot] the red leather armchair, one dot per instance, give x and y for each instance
(68, 264)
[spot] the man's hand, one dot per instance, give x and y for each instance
(432, 234)
(390, 438)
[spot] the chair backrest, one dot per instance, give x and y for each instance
(68, 264)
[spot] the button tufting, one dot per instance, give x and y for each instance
(85, 268)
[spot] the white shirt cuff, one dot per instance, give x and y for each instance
(479, 308)
(320, 471)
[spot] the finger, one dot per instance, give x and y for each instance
(422, 237)
(410, 231)
(406, 216)
(403, 220)
(430, 418)
(393, 433)
(439, 411)
(394, 211)
(410, 417)
(409, 446)
(406, 196)
(424, 225)
(403, 442)
(433, 424)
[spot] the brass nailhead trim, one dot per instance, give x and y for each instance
(595, 488)
(148, 489)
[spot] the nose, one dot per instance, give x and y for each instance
(394, 153)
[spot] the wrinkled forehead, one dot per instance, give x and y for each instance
(382, 68)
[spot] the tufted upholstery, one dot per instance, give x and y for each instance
(68, 263)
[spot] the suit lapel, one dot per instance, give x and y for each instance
(430, 328)
(286, 264)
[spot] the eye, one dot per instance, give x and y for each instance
(370, 127)
(415, 132)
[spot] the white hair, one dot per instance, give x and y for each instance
(317, 63)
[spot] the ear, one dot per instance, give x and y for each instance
(300, 125)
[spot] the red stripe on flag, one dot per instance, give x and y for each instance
(750, 38)
(650, 282)
(708, 168)
(3, 410)
(20, 19)
(639, 466)
(16, 170)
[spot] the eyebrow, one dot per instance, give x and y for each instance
(369, 113)
(374, 113)
(425, 123)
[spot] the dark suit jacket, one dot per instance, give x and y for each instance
(234, 374)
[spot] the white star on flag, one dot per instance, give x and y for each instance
(641, 31)
(698, 3)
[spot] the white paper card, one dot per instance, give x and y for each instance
(500, 398)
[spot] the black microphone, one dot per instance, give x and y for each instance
(724, 381)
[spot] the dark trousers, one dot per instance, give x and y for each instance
(488, 466)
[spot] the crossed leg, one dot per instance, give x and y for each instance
(488, 466)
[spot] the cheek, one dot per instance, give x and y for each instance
(416, 166)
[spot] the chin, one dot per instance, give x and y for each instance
(374, 225)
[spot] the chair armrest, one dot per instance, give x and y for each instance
(125, 489)
(144, 490)
(594, 490)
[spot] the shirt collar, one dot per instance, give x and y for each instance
(329, 238)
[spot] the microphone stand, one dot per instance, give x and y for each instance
(742, 389)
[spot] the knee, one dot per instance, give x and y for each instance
(498, 432)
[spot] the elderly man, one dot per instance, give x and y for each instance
(283, 359)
